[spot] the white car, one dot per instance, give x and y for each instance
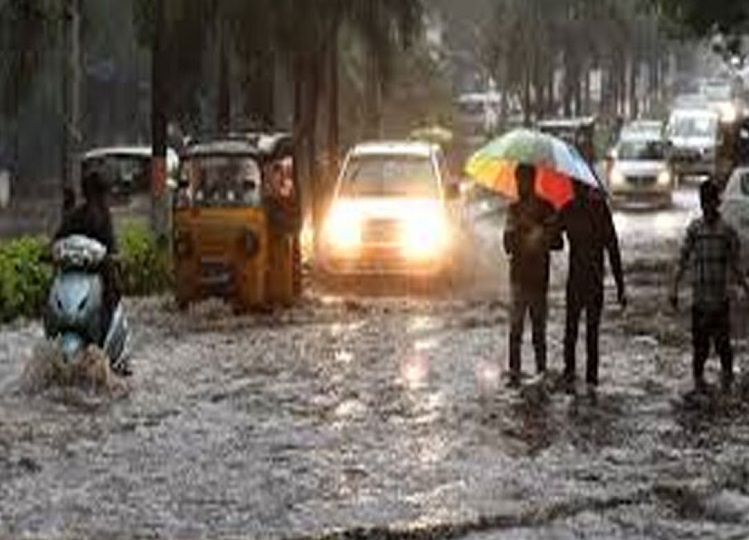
(735, 208)
(638, 169)
(391, 213)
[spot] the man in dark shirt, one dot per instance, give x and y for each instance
(530, 233)
(590, 231)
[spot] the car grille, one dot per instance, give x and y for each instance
(641, 181)
(384, 231)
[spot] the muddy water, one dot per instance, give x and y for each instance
(377, 418)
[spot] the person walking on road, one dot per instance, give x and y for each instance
(590, 231)
(711, 251)
(531, 231)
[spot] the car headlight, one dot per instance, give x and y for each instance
(425, 236)
(617, 177)
(664, 178)
(729, 113)
(343, 229)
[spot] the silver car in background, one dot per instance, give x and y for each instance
(638, 169)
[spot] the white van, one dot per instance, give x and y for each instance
(693, 134)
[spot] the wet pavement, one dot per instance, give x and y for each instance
(356, 417)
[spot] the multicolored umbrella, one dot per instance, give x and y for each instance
(557, 165)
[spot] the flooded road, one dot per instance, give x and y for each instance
(384, 418)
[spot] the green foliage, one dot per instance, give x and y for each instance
(26, 273)
(145, 267)
(24, 277)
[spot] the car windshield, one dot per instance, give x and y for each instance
(642, 150)
(223, 180)
(693, 126)
(717, 92)
(390, 176)
(125, 174)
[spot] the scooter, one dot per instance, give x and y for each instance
(75, 306)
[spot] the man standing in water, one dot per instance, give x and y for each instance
(712, 248)
(590, 231)
(530, 233)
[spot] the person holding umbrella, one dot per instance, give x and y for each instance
(530, 234)
(590, 232)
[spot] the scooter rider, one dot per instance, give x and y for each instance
(93, 219)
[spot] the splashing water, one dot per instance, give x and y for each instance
(88, 377)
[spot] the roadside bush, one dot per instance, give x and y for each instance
(145, 266)
(25, 277)
(26, 273)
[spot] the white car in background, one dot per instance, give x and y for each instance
(735, 208)
(638, 169)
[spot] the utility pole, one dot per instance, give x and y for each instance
(159, 196)
(71, 71)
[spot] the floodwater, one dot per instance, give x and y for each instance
(353, 417)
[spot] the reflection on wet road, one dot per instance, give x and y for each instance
(378, 418)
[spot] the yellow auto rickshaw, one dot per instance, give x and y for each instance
(235, 223)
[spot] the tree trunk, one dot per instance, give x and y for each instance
(71, 103)
(526, 97)
(372, 97)
(159, 206)
(333, 126)
(634, 65)
(306, 100)
(223, 109)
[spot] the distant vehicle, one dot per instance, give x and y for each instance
(735, 208)
(127, 168)
(391, 213)
(653, 128)
(638, 169)
(690, 101)
(693, 134)
(579, 132)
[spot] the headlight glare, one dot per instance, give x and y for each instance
(664, 178)
(617, 178)
(343, 229)
(424, 237)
